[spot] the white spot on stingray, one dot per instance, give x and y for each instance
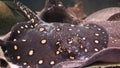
(21, 7)
(32, 20)
(96, 49)
(70, 42)
(15, 47)
(70, 29)
(18, 57)
(57, 52)
(18, 32)
(14, 40)
(81, 46)
(103, 32)
(52, 62)
(115, 40)
(40, 62)
(42, 29)
(59, 5)
(57, 43)
(43, 41)
(72, 25)
(28, 16)
(25, 11)
(58, 29)
(96, 41)
(99, 29)
(24, 40)
(86, 58)
(28, 66)
(26, 26)
(22, 27)
(96, 34)
(71, 57)
(83, 38)
(31, 52)
(35, 24)
(31, 26)
(24, 63)
(86, 50)
(87, 27)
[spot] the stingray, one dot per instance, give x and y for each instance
(36, 43)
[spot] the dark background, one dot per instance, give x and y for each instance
(89, 5)
(7, 20)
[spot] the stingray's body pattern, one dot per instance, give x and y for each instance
(39, 44)
(47, 45)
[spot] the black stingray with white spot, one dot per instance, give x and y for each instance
(36, 43)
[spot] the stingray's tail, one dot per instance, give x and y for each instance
(26, 11)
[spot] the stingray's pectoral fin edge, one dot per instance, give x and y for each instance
(110, 55)
(69, 64)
